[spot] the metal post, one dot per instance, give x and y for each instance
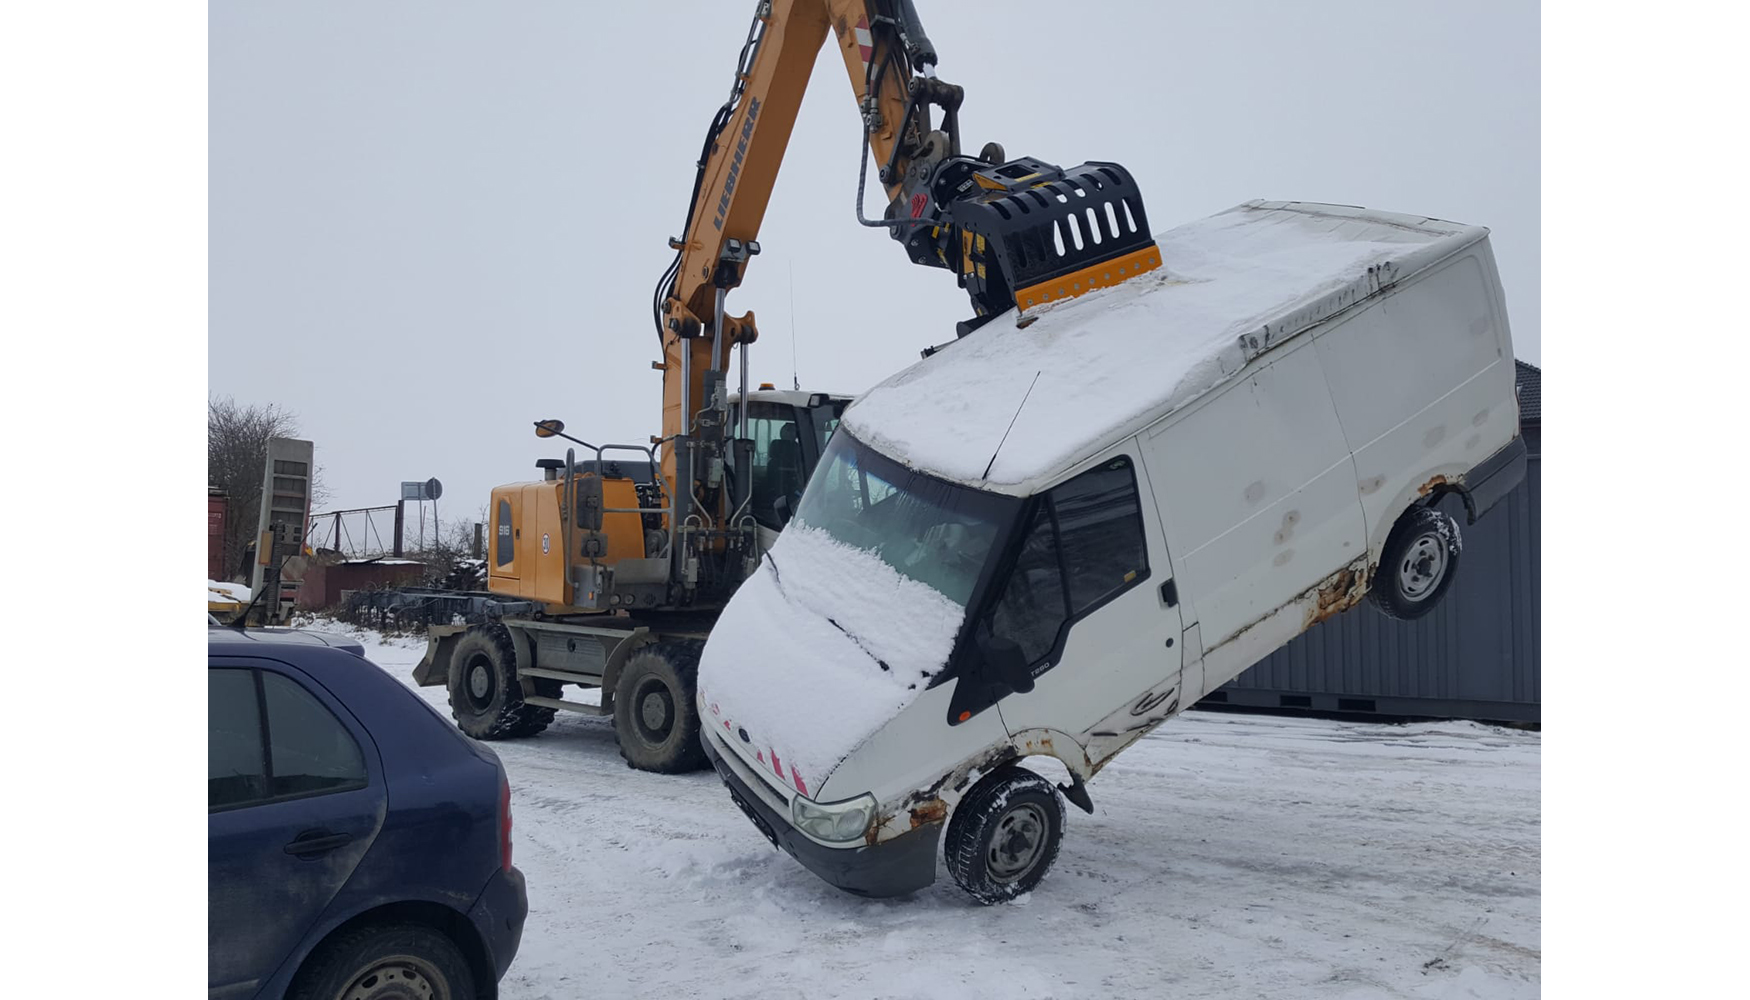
(400, 522)
(478, 529)
(741, 421)
(718, 363)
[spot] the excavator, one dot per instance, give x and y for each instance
(608, 572)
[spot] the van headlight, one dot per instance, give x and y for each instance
(835, 822)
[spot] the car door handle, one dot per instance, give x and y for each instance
(317, 842)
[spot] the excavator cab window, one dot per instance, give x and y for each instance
(780, 468)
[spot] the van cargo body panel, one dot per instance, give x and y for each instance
(1084, 373)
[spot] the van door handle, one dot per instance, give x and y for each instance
(1170, 593)
(312, 842)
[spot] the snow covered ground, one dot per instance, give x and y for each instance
(1228, 856)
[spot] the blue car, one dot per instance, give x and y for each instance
(358, 845)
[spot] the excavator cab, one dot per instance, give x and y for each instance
(620, 541)
(789, 431)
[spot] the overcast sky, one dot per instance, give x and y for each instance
(435, 222)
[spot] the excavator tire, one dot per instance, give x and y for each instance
(656, 711)
(486, 696)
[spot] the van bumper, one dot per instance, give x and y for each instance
(1494, 478)
(895, 867)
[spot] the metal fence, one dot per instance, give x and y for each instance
(1476, 656)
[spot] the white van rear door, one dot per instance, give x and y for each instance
(1116, 639)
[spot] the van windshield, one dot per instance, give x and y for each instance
(937, 533)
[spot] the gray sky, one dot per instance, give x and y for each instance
(433, 223)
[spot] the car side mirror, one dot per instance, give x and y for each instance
(1005, 663)
(781, 507)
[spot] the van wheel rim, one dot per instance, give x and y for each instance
(399, 978)
(1017, 842)
(480, 683)
(1422, 568)
(655, 714)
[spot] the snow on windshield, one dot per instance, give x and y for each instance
(1086, 370)
(821, 647)
(931, 531)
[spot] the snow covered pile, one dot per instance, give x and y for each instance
(1085, 371)
(220, 593)
(824, 644)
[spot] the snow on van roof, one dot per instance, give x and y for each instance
(1009, 407)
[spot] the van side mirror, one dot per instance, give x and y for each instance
(781, 507)
(1004, 662)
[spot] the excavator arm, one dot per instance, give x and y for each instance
(744, 147)
(1013, 232)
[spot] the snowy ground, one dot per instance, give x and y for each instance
(1229, 855)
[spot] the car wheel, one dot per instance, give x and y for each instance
(656, 712)
(399, 962)
(1417, 565)
(486, 696)
(1004, 835)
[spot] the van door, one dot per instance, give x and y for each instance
(1084, 601)
(1256, 489)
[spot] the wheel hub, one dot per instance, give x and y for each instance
(1017, 843)
(398, 978)
(654, 711)
(1423, 567)
(480, 682)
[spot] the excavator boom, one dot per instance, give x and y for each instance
(676, 523)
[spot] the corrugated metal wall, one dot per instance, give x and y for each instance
(1475, 656)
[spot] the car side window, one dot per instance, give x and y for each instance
(311, 750)
(236, 755)
(1083, 546)
(268, 738)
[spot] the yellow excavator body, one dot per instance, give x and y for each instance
(527, 556)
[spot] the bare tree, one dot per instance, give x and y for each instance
(237, 439)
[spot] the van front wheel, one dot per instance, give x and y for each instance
(1417, 565)
(1004, 835)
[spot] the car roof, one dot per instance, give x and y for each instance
(248, 642)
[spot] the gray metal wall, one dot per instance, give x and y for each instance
(1476, 656)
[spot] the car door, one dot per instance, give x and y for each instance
(1084, 603)
(295, 797)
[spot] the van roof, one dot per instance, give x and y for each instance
(1009, 408)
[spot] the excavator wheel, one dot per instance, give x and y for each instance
(486, 696)
(656, 711)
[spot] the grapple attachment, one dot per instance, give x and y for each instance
(1031, 233)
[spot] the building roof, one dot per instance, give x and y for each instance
(1529, 378)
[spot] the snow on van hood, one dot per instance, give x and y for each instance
(817, 650)
(1087, 371)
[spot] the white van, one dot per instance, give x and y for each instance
(1056, 533)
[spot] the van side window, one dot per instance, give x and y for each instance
(1083, 546)
(1099, 524)
(1032, 609)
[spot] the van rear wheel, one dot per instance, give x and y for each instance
(1004, 835)
(1418, 564)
